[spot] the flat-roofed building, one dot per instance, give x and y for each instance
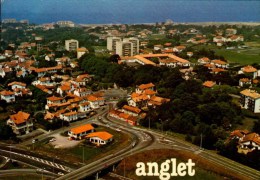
(111, 43)
(71, 45)
(250, 99)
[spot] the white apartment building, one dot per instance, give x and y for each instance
(111, 43)
(71, 45)
(123, 47)
(250, 99)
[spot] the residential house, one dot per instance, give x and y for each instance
(84, 107)
(244, 81)
(157, 101)
(81, 92)
(179, 49)
(69, 116)
(250, 99)
(142, 87)
(220, 64)
(247, 142)
(20, 123)
(100, 138)
(249, 70)
(134, 111)
(17, 85)
(81, 51)
(209, 84)
(80, 131)
(8, 96)
(95, 102)
(55, 100)
(204, 60)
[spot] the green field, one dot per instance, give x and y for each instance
(243, 57)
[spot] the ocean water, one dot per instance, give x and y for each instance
(131, 11)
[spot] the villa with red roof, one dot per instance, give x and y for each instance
(100, 138)
(250, 70)
(7, 96)
(247, 142)
(80, 131)
(20, 123)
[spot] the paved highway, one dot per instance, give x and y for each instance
(148, 139)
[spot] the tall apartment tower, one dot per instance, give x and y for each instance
(111, 43)
(135, 42)
(71, 45)
(124, 48)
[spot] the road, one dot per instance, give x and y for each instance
(142, 139)
(149, 139)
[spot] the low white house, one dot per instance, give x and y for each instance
(70, 116)
(100, 138)
(8, 96)
(95, 102)
(17, 85)
(84, 107)
(80, 131)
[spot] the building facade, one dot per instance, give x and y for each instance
(71, 45)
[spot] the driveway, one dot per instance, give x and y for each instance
(63, 142)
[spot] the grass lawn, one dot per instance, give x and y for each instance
(239, 56)
(91, 153)
(242, 56)
(248, 124)
(156, 36)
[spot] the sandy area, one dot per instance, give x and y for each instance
(63, 142)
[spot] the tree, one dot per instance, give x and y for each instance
(6, 132)
(256, 127)
(121, 103)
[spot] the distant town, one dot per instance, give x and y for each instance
(102, 95)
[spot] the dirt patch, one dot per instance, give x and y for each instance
(63, 142)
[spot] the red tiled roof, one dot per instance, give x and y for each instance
(81, 129)
(132, 109)
(102, 135)
(20, 117)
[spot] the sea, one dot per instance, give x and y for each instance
(131, 11)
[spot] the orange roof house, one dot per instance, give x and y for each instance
(132, 109)
(100, 138)
(20, 117)
(209, 84)
(146, 86)
(6, 93)
(80, 131)
(248, 69)
(102, 135)
(250, 93)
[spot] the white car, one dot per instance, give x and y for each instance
(117, 129)
(52, 140)
(60, 173)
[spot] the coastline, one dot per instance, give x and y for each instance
(180, 23)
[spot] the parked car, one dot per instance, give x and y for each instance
(52, 140)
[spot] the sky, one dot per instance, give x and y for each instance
(131, 11)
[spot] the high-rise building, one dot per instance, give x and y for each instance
(71, 45)
(135, 42)
(125, 47)
(111, 43)
(65, 24)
